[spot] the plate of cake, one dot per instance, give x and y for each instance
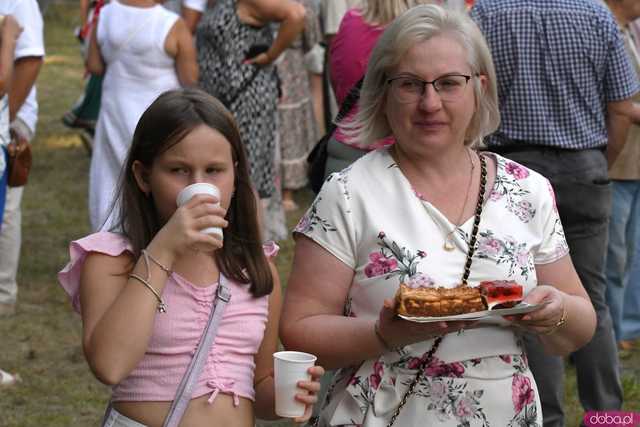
(438, 304)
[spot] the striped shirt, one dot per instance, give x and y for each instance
(558, 64)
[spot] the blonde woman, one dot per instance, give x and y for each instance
(430, 210)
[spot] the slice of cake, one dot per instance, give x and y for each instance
(501, 293)
(438, 301)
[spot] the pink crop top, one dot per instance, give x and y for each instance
(230, 365)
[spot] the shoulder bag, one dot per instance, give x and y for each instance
(317, 159)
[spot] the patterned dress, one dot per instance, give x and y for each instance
(250, 92)
(370, 218)
(296, 121)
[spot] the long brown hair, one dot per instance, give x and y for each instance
(167, 120)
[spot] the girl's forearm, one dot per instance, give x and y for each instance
(121, 337)
(265, 399)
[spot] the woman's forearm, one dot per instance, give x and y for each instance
(6, 64)
(289, 29)
(337, 341)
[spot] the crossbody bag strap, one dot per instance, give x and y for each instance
(465, 276)
(185, 389)
(254, 73)
(352, 99)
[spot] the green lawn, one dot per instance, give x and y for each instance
(42, 342)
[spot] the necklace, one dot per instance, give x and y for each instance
(426, 359)
(448, 238)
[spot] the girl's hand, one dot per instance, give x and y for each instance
(397, 332)
(546, 319)
(311, 397)
(183, 230)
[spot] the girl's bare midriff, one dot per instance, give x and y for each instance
(200, 413)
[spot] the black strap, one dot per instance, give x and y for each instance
(229, 101)
(352, 98)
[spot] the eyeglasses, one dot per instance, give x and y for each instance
(411, 89)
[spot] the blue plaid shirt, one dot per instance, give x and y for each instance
(558, 62)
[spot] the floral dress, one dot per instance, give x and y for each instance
(371, 219)
(296, 121)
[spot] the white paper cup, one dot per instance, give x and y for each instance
(289, 368)
(200, 188)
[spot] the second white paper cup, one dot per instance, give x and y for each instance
(289, 368)
(200, 188)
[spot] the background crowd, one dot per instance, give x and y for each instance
(300, 60)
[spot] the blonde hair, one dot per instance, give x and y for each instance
(417, 25)
(382, 12)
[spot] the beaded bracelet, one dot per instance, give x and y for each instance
(560, 322)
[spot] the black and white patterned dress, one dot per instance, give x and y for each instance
(249, 92)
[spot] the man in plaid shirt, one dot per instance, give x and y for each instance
(564, 87)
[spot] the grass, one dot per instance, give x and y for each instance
(42, 341)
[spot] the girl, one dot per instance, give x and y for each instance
(120, 282)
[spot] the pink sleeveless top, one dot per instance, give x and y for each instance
(350, 50)
(230, 365)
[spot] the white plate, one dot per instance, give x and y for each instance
(521, 308)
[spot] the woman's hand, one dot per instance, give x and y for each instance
(549, 317)
(260, 60)
(395, 332)
(183, 230)
(311, 397)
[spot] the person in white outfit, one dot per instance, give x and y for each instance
(23, 114)
(9, 32)
(143, 50)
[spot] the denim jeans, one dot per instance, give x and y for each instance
(623, 260)
(583, 197)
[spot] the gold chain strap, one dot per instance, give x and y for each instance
(465, 277)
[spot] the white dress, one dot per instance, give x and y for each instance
(370, 218)
(138, 70)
